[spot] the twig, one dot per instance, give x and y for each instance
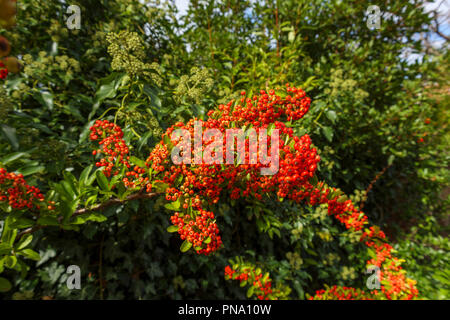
(361, 206)
(99, 207)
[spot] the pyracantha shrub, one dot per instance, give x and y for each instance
(193, 187)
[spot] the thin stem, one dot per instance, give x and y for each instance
(99, 207)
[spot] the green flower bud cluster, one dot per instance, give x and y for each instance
(348, 273)
(22, 91)
(193, 87)
(45, 64)
(294, 260)
(331, 259)
(325, 235)
(340, 86)
(128, 52)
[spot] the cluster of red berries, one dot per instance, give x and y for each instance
(15, 190)
(3, 71)
(341, 293)
(136, 178)
(298, 163)
(262, 286)
(112, 145)
(201, 231)
(199, 184)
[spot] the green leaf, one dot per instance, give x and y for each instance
(102, 180)
(250, 291)
(24, 242)
(72, 182)
(10, 134)
(30, 254)
(159, 186)
(207, 240)
(26, 171)
(83, 218)
(8, 234)
(153, 94)
(69, 191)
(5, 248)
(331, 115)
(12, 157)
(84, 176)
(105, 91)
(172, 229)
(138, 162)
(391, 159)
(21, 222)
(185, 246)
(10, 261)
(328, 133)
(47, 98)
(174, 206)
(5, 285)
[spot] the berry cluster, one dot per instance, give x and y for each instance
(202, 231)
(208, 181)
(341, 293)
(194, 185)
(19, 195)
(112, 145)
(262, 285)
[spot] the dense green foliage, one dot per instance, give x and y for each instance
(147, 67)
